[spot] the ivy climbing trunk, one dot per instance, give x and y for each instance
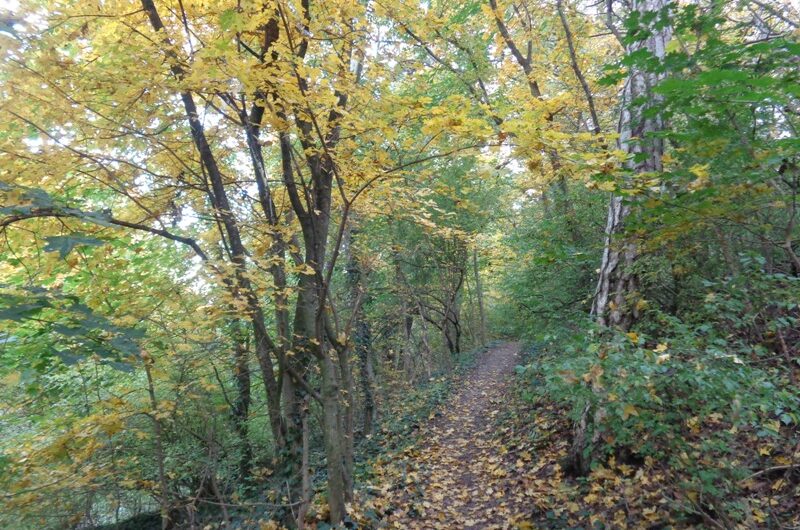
(241, 406)
(362, 342)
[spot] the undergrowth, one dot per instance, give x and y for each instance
(685, 428)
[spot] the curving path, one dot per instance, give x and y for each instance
(461, 476)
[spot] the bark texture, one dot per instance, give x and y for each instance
(614, 301)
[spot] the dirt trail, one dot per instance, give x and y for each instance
(461, 475)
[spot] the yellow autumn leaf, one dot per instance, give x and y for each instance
(606, 186)
(628, 411)
(594, 374)
(699, 170)
(773, 425)
(304, 268)
(11, 379)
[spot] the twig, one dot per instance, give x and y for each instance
(770, 470)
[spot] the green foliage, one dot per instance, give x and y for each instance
(649, 392)
(704, 384)
(65, 244)
(551, 278)
(687, 402)
(54, 325)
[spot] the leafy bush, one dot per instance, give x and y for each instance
(688, 401)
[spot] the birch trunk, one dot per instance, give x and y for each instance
(615, 297)
(617, 287)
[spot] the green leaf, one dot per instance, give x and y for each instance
(68, 358)
(228, 19)
(712, 77)
(65, 244)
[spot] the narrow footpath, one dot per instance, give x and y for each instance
(461, 475)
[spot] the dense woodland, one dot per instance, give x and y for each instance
(249, 250)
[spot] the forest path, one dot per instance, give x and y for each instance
(460, 475)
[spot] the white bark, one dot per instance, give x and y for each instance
(617, 283)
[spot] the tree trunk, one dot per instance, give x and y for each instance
(617, 282)
(361, 338)
(614, 302)
(408, 345)
(617, 287)
(479, 296)
(293, 394)
(163, 484)
(334, 447)
(727, 254)
(425, 346)
(241, 406)
(347, 415)
(305, 497)
(366, 378)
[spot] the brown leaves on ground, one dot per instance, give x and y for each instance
(458, 474)
(648, 493)
(489, 460)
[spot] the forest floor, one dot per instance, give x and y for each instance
(491, 456)
(460, 473)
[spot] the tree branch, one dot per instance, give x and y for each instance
(96, 219)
